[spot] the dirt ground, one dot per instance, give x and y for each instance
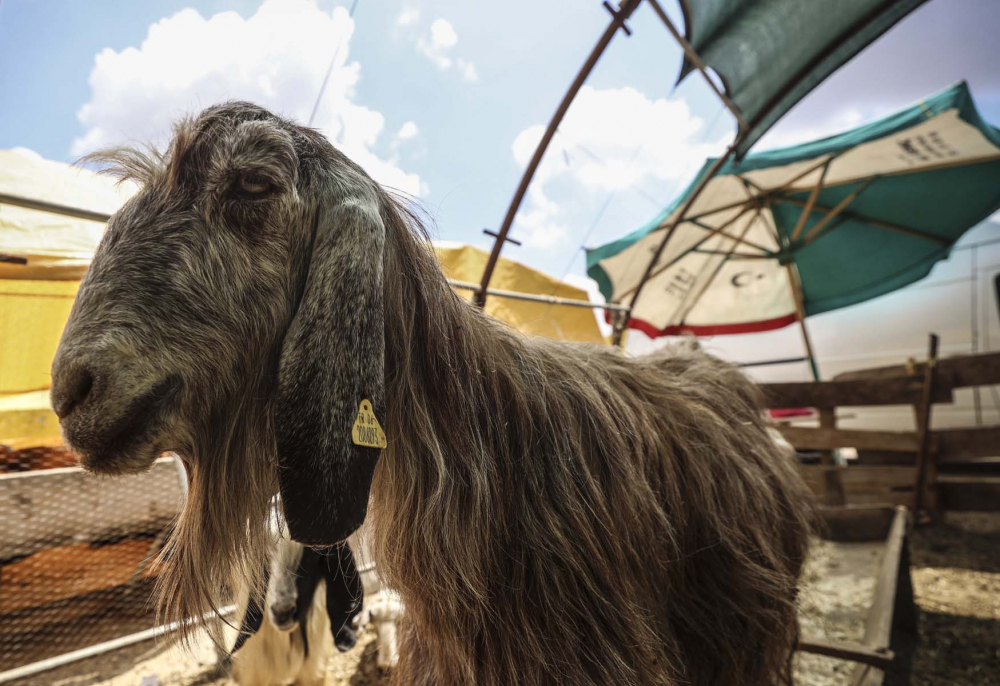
(956, 578)
(955, 568)
(956, 581)
(156, 664)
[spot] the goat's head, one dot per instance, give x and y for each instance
(241, 286)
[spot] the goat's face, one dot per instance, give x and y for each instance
(246, 273)
(283, 605)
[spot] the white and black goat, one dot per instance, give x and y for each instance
(311, 597)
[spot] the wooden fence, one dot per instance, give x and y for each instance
(957, 469)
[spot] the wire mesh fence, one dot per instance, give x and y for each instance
(75, 551)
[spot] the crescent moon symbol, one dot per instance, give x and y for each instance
(737, 279)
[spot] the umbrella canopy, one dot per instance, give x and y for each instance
(771, 53)
(838, 221)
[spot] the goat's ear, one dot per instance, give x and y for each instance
(343, 595)
(332, 364)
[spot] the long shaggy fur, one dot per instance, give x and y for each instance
(559, 513)
(549, 513)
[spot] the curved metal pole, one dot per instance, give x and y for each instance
(617, 22)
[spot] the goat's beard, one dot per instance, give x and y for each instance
(219, 542)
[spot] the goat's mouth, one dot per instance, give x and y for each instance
(126, 443)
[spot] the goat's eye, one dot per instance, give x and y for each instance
(253, 184)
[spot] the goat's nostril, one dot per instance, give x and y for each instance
(71, 390)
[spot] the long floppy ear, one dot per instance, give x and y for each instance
(331, 364)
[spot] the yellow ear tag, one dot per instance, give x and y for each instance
(367, 431)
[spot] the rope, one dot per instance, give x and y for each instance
(329, 70)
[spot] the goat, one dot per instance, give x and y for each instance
(384, 612)
(310, 597)
(549, 513)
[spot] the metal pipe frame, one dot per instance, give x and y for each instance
(617, 22)
(464, 285)
(25, 671)
(533, 297)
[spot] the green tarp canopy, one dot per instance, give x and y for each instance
(849, 218)
(771, 53)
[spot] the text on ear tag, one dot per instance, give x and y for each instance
(367, 431)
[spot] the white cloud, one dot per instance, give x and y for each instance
(276, 58)
(407, 131)
(538, 229)
(610, 140)
(408, 16)
(438, 47)
(443, 34)
(834, 123)
(467, 69)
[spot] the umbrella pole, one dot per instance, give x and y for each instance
(800, 311)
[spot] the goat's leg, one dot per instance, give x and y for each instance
(314, 668)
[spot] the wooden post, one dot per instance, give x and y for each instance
(925, 467)
(827, 420)
(619, 321)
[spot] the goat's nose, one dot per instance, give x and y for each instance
(283, 616)
(70, 388)
(345, 639)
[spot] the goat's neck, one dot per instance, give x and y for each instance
(448, 366)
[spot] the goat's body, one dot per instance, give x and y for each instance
(272, 657)
(549, 513)
(556, 513)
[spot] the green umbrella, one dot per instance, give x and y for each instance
(798, 231)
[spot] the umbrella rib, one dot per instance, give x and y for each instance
(668, 265)
(809, 204)
(839, 207)
(876, 222)
(748, 203)
(743, 241)
(771, 225)
(901, 172)
(745, 204)
(812, 238)
(739, 255)
(718, 268)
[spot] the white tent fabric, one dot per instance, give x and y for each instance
(56, 246)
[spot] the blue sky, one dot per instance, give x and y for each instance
(445, 99)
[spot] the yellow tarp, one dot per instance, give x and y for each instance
(35, 299)
(32, 317)
(562, 322)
